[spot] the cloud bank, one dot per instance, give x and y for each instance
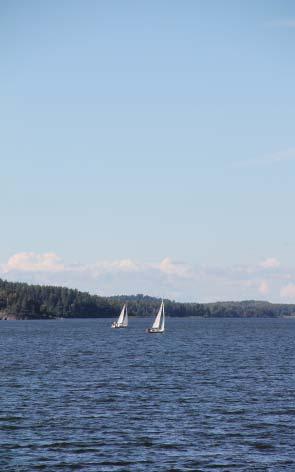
(270, 263)
(32, 262)
(268, 279)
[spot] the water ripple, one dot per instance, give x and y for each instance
(208, 395)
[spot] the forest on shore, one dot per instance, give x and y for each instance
(24, 301)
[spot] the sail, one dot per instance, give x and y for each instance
(159, 320)
(162, 324)
(125, 320)
(122, 315)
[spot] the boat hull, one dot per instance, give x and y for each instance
(154, 331)
(118, 326)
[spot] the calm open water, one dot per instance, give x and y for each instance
(207, 395)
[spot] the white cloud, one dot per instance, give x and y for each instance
(166, 266)
(31, 261)
(167, 277)
(270, 263)
(263, 288)
(104, 277)
(288, 291)
(179, 269)
(121, 265)
(51, 262)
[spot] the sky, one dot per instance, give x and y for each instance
(148, 147)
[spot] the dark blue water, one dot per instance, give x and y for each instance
(207, 395)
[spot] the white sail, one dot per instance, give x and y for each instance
(159, 323)
(122, 316)
(125, 320)
(162, 324)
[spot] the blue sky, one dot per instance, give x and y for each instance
(149, 147)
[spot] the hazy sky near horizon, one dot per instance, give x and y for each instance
(149, 146)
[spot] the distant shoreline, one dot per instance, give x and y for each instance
(21, 301)
(16, 318)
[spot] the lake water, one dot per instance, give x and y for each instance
(207, 395)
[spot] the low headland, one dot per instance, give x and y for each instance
(21, 301)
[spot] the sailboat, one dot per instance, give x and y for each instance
(122, 321)
(159, 323)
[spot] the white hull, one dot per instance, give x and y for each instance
(155, 330)
(115, 325)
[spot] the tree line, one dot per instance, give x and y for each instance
(37, 301)
(24, 301)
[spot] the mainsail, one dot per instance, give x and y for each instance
(159, 323)
(121, 316)
(122, 321)
(125, 319)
